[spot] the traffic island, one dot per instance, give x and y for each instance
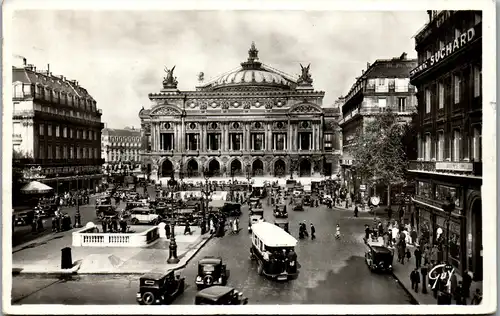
(45, 258)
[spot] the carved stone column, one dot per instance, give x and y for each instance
(270, 137)
(226, 137)
(203, 127)
(289, 137)
(247, 128)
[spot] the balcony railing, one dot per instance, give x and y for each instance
(64, 162)
(464, 167)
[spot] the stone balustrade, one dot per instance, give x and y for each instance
(89, 237)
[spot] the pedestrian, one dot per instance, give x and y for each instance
(418, 257)
(413, 235)
(187, 229)
(408, 254)
(466, 282)
(415, 280)
(477, 298)
(313, 232)
(337, 233)
(367, 232)
(458, 294)
(454, 286)
(104, 225)
(356, 211)
(424, 270)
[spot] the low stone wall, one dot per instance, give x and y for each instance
(88, 237)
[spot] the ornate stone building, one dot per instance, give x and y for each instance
(255, 120)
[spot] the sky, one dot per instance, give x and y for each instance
(119, 56)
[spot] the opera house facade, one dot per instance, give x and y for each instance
(254, 121)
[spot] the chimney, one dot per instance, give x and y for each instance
(403, 56)
(367, 66)
(429, 13)
(48, 68)
(62, 77)
(362, 71)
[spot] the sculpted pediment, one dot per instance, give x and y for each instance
(166, 110)
(306, 108)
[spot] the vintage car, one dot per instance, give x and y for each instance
(256, 216)
(307, 200)
(102, 211)
(254, 203)
(282, 223)
(378, 258)
(220, 295)
(231, 208)
(280, 211)
(156, 288)
(142, 215)
(273, 249)
(211, 271)
(103, 200)
(24, 218)
(298, 204)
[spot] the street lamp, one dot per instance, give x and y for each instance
(205, 195)
(172, 258)
(78, 217)
(249, 174)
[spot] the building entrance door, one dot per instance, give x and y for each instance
(305, 168)
(192, 168)
(214, 168)
(236, 169)
(167, 168)
(279, 168)
(258, 168)
(476, 262)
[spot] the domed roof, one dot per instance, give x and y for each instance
(252, 73)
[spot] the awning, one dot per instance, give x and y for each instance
(36, 187)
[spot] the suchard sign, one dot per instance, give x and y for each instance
(446, 51)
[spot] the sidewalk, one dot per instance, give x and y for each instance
(402, 273)
(43, 256)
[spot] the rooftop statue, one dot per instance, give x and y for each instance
(169, 81)
(305, 77)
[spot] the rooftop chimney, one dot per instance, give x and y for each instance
(367, 66)
(403, 56)
(48, 69)
(362, 71)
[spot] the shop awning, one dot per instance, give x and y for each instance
(35, 187)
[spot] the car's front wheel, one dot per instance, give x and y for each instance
(134, 221)
(148, 298)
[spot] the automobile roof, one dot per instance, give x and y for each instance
(156, 275)
(214, 292)
(210, 260)
(381, 249)
(273, 236)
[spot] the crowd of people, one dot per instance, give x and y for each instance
(400, 237)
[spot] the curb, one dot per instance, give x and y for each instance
(74, 271)
(409, 292)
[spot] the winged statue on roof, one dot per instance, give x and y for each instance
(169, 81)
(305, 77)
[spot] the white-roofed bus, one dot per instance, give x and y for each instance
(274, 251)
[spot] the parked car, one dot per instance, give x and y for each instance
(211, 271)
(141, 215)
(105, 210)
(156, 289)
(24, 218)
(220, 295)
(378, 258)
(232, 209)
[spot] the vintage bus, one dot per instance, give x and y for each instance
(274, 251)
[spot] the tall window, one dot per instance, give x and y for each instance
(279, 141)
(457, 137)
(214, 141)
(58, 131)
(65, 152)
(41, 128)
(441, 95)
(427, 101)
(71, 152)
(258, 141)
(328, 142)
(440, 146)
(401, 104)
(477, 81)
(476, 143)
(41, 152)
(235, 143)
(382, 85)
(427, 147)
(382, 103)
(49, 130)
(65, 132)
(57, 153)
(192, 141)
(456, 83)
(49, 151)
(18, 90)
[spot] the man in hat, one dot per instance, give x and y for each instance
(313, 232)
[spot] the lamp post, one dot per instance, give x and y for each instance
(206, 198)
(172, 258)
(78, 217)
(249, 174)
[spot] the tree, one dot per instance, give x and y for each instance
(379, 152)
